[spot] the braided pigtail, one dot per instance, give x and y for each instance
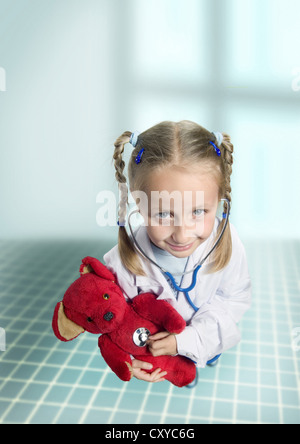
(223, 251)
(127, 251)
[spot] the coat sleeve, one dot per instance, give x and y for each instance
(213, 329)
(125, 279)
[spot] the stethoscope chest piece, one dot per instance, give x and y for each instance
(140, 336)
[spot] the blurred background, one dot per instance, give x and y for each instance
(76, 74)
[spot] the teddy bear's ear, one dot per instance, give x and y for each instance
(92, 265)
(64, 329)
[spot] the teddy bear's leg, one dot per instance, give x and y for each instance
(181, 371)
(119, 361)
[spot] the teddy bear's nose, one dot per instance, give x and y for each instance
(108, 316)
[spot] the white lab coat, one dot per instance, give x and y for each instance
(222, 297)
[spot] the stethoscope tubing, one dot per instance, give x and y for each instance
(195, 270)
(191, 287)
(201, 262)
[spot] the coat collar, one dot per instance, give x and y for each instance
(152, 272)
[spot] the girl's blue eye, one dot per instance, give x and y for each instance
(164, 215)
(198, 212)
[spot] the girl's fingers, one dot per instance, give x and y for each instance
(141, 364)
(158, 336)
(156, 376)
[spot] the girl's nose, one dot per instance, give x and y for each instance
(181, 235)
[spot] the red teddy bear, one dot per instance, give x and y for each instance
(95, 303)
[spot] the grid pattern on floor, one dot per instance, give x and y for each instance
(45, 381)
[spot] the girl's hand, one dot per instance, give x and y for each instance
(139, 368)
(162, 344)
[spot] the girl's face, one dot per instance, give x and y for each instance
(182, 206)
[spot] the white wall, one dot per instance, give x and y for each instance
(77, 73)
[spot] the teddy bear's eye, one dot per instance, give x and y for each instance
(89, 319)
(106, 296)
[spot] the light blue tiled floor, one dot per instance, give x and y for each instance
(45, 381)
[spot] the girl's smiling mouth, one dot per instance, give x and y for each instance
(180, 247)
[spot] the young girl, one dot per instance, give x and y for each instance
(182, 159)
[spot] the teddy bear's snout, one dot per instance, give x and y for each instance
(108, 316)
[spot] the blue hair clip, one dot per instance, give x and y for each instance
(217, 150)
(139, 156)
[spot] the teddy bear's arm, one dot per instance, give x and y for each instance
(159, 312)
(118, 360)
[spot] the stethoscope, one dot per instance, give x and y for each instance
(197, 267)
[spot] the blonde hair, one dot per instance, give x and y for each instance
(172, 144)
